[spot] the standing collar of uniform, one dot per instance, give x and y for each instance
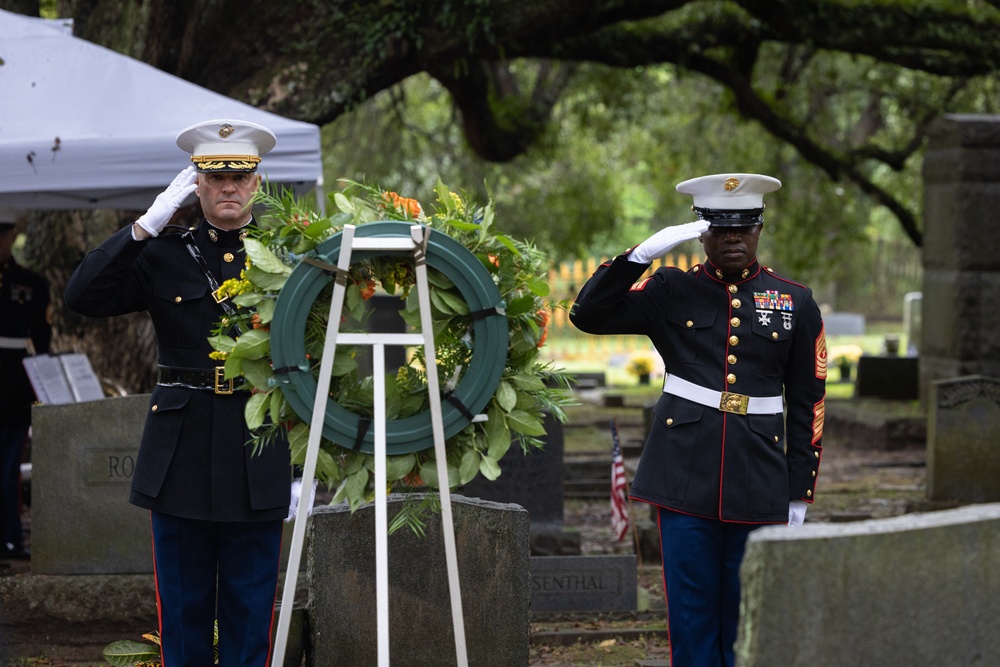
(223, 238)
(751, 271)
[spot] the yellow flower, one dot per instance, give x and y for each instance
(640, 363)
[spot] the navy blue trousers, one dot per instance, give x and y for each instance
(701, 575)
(207, 571)
(12, 439)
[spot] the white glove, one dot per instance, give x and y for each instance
(293, 505)
(168, 201)
(665, 240)
(797, 512)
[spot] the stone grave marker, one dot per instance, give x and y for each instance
(583, 583)
(963, 456)
(82, 459)
(493, 564)
(535, 481)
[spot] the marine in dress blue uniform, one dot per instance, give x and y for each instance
(737, 435)
(24, 319)
(216, 506)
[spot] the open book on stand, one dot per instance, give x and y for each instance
(63, 378)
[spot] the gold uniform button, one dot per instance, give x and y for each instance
(776, 440)
(154, 408)
(814, 473)
(689, 324)
(774, 335)
(816, 454)
(735, 321)
(733, 340)
(733, 289)
(809, 493)
(670, 422)
(177, 299)
(229, 257)
(731, 358)
(737, 303)
(731, 378)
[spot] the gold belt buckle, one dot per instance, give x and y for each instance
(219, 296)
(222, 385)
(735, 403)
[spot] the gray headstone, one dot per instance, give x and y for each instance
(533, 480)
(583, 583)
(963, 456)
(492, 543)
(82, 458)
(846, 324)
(912, 312)
(920, 589)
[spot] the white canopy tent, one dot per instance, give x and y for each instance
(84, 127)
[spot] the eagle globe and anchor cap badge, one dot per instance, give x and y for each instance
(226, 145)
(729, 200)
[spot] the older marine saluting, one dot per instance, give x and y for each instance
(216, 506)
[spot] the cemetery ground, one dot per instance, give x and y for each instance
(856, 482)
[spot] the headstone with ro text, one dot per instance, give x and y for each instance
(82, 460)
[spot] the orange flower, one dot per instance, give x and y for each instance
(257, 324)
(543, 320)
(411, 207)
(368, 289)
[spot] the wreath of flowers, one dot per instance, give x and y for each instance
(289, 229)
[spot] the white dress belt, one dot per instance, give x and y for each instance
(13, 343)
(723, 400)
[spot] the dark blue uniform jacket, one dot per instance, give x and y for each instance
(194, 459)
(756, 334)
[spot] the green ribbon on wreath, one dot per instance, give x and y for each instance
(412, 434)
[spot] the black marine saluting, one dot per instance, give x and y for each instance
(736, 439)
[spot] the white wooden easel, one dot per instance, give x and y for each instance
(417, 244)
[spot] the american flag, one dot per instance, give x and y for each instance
(619, 510)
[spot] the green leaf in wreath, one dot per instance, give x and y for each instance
(343, 363)
(526, 382)
(520, 306)
(538, 286)
(523, 422)
(440, 304)
(257, 372)
(222, 342)
(489, 468)
(469, 466)
(271, 282)
(277, 406)
(248, 299)
(256, 410)
(254, 344)
(261, 256)
(298, 440)
(265, 309)
(125, 652)
(455, 302)
(343, 203)
(398, 467)
(506, 396)
(508, 244)
(233, 367)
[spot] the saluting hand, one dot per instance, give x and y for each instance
(665, 240)
(168, 201)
